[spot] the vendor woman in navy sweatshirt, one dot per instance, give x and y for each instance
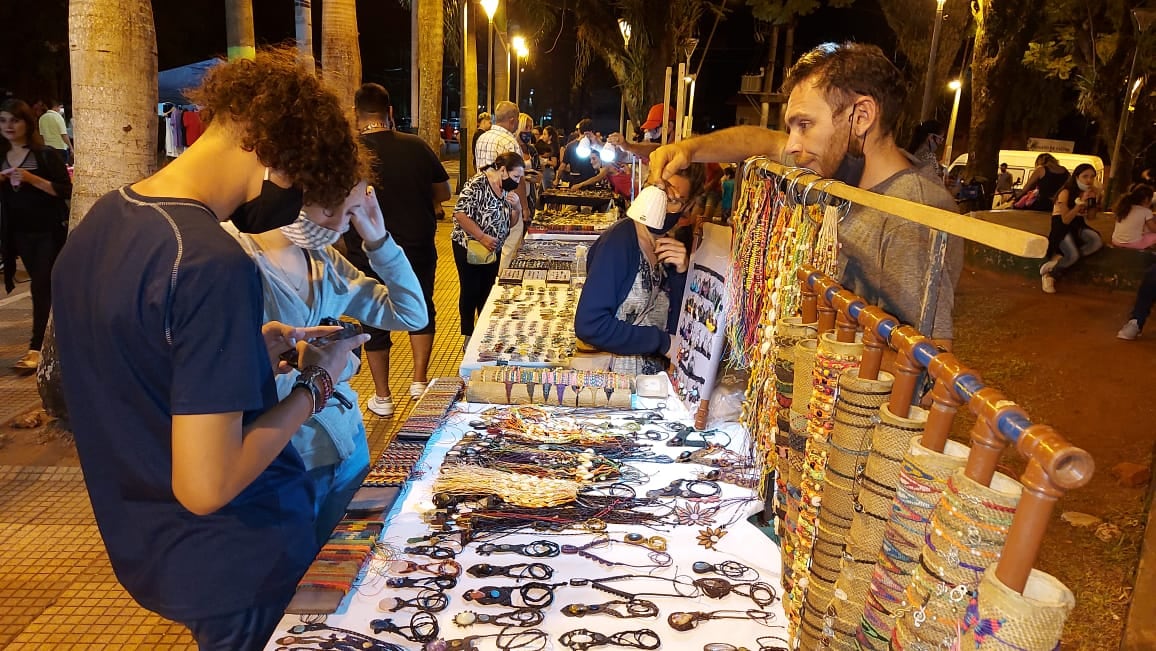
(634, 284)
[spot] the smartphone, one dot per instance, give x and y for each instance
(347, 330)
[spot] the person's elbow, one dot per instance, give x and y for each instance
(441, 191)
(197, 497)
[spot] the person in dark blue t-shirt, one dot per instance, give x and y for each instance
(203, 505)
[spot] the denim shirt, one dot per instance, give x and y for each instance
(338, 289)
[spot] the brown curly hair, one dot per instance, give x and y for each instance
(290, 119)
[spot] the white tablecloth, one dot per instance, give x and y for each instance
(743, 542)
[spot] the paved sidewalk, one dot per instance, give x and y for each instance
(57, 590)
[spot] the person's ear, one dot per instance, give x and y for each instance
(864, 115)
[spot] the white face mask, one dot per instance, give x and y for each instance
(1084, 187)
(310, 235)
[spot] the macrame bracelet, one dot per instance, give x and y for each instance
(319, 384)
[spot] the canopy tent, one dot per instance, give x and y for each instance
(172, 83)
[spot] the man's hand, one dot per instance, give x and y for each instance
(368, 221)
(280, 338)
(668, 160)
(672, 350)
(670, 251)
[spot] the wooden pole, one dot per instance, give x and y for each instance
(665, 105)
(996, 236)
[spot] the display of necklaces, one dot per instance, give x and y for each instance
(529, 324)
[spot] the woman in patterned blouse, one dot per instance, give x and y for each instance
(487, 209)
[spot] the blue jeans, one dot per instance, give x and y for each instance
(246, 630)
(1089, 242)
(335, 486)
(1145, 297)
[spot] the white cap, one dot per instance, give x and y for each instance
(649, 207)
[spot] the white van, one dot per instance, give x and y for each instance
(1020, 164)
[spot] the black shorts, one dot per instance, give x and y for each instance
(424, 261)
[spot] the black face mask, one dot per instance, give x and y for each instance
(273, 208)
(671, 219)
(509, 185)
(850, 170)
(527, 138)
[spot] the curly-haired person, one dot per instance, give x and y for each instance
(203, 505)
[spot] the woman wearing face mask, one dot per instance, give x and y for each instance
(1070, 237)
(34, 184)
(305, 280)
(486, 212)
(634, 285)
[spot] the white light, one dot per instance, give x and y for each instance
(490, 6)
(608, 153)
(583, 149)
(954, 84)
(519, 43)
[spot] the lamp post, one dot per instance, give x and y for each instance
(624, 28)
(1144, 19)
(490, 7)
(519, 45)
(957, 86)
(925, 110)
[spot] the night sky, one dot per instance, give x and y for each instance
(194, 30)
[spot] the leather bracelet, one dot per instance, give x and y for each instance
(319, 383)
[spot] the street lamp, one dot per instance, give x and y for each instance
(957, 86)
(925, 110)
(490, 7)
(1144, 19)
(519, 45)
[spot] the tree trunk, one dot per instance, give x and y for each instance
(239, 29)
(469, 116)
(1000, 43)
(789, 50)
(113, 50)
(303, 14)
(414, 65)
(431, 48)
(340, 53)
(772, 55)
(502, 57)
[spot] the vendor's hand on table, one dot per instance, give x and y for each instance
(672, 350)
(666, 161)
(280, 337)
(367, 219)
(670, 251)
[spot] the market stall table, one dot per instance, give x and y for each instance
(576, 581)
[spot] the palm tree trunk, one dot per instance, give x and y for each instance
(239, 29)
(430, 47)
(469, 114)
(303, 14)
(113, 49)
(772, 55)
(340, 52)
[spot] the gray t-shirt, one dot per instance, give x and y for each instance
(887, 259)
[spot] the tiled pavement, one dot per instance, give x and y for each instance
(57, 590)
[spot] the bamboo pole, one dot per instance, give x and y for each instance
(996, 236)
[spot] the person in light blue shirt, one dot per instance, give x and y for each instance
(305, 280)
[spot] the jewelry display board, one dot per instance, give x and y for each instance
(701, 325)
(527, 325)
(564, 592)
(573, 221)
(566, 197)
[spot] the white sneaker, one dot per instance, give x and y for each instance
(417, 389)
(381, 406)
(1130, 331)
(1048, 267)
(1048, 283)
(29, 362)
